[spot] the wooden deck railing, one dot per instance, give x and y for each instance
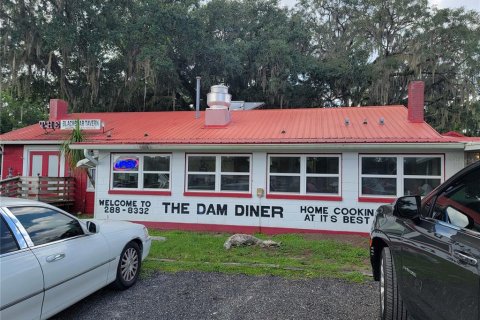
(56, 191)
(9, 187)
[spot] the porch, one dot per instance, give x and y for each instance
(59, 191)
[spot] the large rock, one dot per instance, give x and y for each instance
(248, 240)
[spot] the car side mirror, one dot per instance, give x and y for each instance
(92, 227)
(407, 207)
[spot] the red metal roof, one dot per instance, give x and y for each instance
(314, 125)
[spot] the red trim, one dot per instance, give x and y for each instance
(375, 200)
(217, 194)
(303, 197)
(141, 192)
(238, 229)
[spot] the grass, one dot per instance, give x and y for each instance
(297, 257)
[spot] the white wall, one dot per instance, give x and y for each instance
(348, 215)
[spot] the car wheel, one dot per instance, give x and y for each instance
(391, 303)
(128, 267)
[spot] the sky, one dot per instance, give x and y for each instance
(467, 4)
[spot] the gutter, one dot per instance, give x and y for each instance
(43, 142)
(287, 146)
(472, 146)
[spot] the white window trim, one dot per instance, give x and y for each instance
(26, 158)
(303, 173)
(400, 176)
(140, 171)
(218, 173)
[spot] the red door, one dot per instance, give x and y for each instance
(44, 164)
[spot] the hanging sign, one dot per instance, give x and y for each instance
(85, 124)
(49, 124)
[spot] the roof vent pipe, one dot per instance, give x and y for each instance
(197, 99)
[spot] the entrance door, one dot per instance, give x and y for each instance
(44, 164)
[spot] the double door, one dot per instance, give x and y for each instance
(44, 164)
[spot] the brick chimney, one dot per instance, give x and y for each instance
(416, 101)
(58, 109)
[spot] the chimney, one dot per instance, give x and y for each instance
(58, 109)
(219, 102)
(416, 101)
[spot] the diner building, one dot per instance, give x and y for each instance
(271, 171)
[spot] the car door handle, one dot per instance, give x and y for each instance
(465, 258)
(55, 257)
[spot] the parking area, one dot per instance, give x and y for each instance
(197, 295)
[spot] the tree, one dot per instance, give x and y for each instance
(17, 113)
(144, 55)
(73, 156)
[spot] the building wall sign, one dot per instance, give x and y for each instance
(309, 216)
(85, 124)
(345, 211)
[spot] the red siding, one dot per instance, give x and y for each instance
(12, 158)
(89, 202)
(80, 191)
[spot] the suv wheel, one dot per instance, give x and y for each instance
(391, 303)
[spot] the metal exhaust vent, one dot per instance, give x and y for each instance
(218, 97)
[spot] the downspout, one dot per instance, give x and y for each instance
(88, 155)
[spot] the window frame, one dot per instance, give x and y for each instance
(399, 177)
(13, 235)
(218, 175)
(441, 201)
(302, 194)
(26, 234)
(140, 187)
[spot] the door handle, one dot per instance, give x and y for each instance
(55, 257)
(465, 258)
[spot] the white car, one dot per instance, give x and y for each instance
(49, 259)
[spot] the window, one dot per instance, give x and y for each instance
(7, 241)
(304, 174)
(421, 175)
(141, 172)
(471, 157)
(459, 205)
(218, 173)
(45, 225)
(379, 176)
(393, 176)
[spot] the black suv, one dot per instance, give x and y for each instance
(426, 252)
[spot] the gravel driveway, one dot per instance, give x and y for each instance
(197, 295)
